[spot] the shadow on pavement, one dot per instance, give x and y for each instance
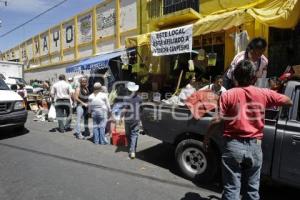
(121, 149)
(196, 196)
(278, 192)
(162, 155)
(12, 132)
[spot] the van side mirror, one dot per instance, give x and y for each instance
(14, 87)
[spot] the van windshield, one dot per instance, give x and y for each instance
(19, 80)
(3, 85)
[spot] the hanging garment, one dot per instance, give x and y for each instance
(241, 41)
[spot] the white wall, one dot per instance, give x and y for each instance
(50, 73)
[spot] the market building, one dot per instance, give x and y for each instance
(220, 29)
(99, 30)
(189, 38)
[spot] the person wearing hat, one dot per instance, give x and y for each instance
(132, 117)
(99, 107)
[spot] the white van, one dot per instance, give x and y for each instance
(12, 108)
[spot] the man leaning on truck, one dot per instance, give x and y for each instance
(242, 112)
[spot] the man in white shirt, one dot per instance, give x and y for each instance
(61, 92)
(217, 86)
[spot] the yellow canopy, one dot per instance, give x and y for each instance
(273, 13)
(223, 21)
(277, 13)
(138, 40)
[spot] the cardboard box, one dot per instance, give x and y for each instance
(296, 68)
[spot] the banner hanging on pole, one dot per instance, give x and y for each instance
(172, 41)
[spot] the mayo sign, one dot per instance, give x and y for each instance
(172, 41)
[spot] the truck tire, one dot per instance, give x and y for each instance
(195, 163)
(20, 128)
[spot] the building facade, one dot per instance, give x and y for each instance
(102, 28)
(215, 23)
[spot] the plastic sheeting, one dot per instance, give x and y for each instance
(273, 13)
(277, 13)
(100, 62)
(219, 22)
(138, 40)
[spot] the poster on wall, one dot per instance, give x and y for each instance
(12, 54)
(23, 53)
(172, 41)
(29, 49)
(128, 15)
(68, 35)
(44, 44)
(36, 48)
(7, 56)
(85, 28)
(106, 20)
(16, 53)
(55, 37)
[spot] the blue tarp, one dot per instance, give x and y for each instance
(97, 62)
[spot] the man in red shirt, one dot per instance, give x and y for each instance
(242, 112)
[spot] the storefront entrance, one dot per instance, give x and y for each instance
(284, 49)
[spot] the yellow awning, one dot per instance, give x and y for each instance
(273, 13)
(209, 7)
(277, 13)
(138, 40)
(219, 22)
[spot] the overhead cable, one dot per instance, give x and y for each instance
(21, 25)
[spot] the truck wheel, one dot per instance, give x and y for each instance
(194, 162)
(20, 129)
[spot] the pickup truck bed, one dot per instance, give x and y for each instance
(281, 143)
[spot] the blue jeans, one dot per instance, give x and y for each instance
(82, 112)
(241, 165)
(132, 131)
(99, 124)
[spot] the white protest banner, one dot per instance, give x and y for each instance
(172, 41)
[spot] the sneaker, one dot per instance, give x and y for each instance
(61, 131)
(132, 155)
(42, 119)
(79, 137)
(68, 129)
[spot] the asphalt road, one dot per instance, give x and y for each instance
(39, 164)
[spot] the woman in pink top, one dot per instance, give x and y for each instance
(254, 53)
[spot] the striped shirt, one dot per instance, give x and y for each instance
(261, 70)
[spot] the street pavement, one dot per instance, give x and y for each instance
(43, 165)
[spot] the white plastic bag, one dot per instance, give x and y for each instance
(52, 113)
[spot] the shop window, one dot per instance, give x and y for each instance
(171, 6)
(297, 105)
(284, 49)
